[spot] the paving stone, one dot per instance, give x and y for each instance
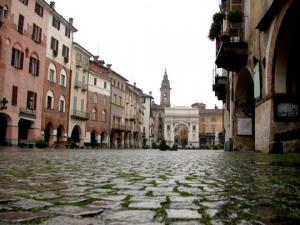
(211, 212)
(183, 205)
(106, 205)
(182, 199)
(7, 198)
(45, 195)
(216, 204)
(28, 204)
(183, 214)
(114, 198)
(144, 205)
(19, 217)
(129, 217)
(70, 200)
(63, 220)
(185, 223)
(75, 210)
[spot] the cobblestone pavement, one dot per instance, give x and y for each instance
(116, 187)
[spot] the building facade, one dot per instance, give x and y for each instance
(211, 130)
(78, 115)
(117, 121)
(148, 120)
(259, 56)
(57, 80)
(98, 104)
(181, 126)
(23, 39)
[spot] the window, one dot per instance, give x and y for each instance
(74, 103)
(56, 23)
(194, 127)
(14, 97)
(67, 32)
(51, 75)
(54, 45)
(36, 33)
(95, 81)
(31, 100)
(168, 127)
(213, 119)
(63, 80)
(65, 53)
(25, 2)
(49, 100)
(104, 84)
(34, 65)
(39, 9)
(3, 11)
(120, 99)
(21, 24)
(82, 105)
(95, 99)
(213, 128)
(62, 104)
(103, 115)
(17, 58)
(94, 114)
(104, 101)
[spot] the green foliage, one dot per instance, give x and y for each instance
(163, 146)
(215, 28)
(154, 145)
(235, 16)
(40, 142)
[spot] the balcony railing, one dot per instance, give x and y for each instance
(233, 51)
(117, 126)
(219, 87)
(79, 115)
(27, 112)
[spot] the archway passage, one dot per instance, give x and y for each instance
(76, 134)
(24, 126)
(93, 138)
(47, 132)
(60, 132)
(181, 135)
(287, 57)
(3, 126)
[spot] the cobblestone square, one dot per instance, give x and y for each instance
(80, 187)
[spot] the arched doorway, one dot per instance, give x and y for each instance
(47, 132)
(93, 138)
(60, 133)
(244, 105)
(3, 126)
(102, 139)
(76, 134)
(24, 126)
(181, 134)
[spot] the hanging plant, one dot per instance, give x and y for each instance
(216, 26)
(235, 16)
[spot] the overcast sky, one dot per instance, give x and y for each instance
(140, 38)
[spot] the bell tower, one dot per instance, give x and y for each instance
(165, 91)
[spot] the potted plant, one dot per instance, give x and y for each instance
(216, 26)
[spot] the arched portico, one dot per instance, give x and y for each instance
(5, 120)
(23, 130)
(48, 134)
(76, 134)
(244, 106)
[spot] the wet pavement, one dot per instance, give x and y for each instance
(115, 187)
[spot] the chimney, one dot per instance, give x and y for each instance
(52, 4)
(150, 93)
(134, 84)
(108, 66)
(96, 58)
(71, 20)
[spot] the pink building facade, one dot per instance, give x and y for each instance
(23, 38)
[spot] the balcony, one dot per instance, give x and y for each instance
(77, 84)
(118, 127)
(219, 87)
(233, 52)
(81, 115)
(28, 113)
(84, 87)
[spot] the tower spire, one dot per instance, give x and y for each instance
(165, 91)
